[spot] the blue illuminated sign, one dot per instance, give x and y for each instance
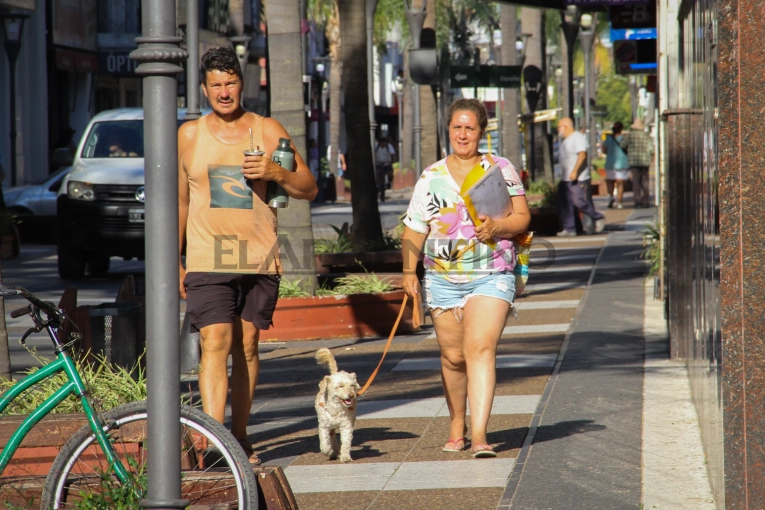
(632, 34)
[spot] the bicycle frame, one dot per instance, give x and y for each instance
(74, 386)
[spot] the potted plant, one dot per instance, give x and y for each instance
(541, 196)
(355, 305)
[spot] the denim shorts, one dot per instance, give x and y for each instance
(442, 295)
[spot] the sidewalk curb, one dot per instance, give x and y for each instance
(506, 502)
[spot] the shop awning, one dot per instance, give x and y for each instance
(75, 61)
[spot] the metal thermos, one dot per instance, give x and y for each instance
(284, 156)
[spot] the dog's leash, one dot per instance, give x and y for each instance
(416, 322)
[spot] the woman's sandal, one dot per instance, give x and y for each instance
(482, 451)
(455, 445)
(249, 451)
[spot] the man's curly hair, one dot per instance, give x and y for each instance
(220, 59)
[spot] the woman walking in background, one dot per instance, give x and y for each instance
(617, 167)
(469, 287)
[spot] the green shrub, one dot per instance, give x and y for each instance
(350, 284)
(361, 284)
(109, 386)
(652, 247)
(288, 288)
(341, 244)
(543, 187)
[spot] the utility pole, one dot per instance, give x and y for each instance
(416, 18)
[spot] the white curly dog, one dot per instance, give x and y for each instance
(336, 408)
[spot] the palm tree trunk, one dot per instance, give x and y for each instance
(335, 85)
(286, 75)
(511, 142)
(366, 215)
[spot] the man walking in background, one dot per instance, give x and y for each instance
(639, 148)
(574, 186)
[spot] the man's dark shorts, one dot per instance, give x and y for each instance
(214, 298)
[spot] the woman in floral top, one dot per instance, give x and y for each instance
(469, 286)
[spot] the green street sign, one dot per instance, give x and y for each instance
(507, 77)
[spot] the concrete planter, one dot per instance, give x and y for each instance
(10, 245)
(342, 316)
(544, 220)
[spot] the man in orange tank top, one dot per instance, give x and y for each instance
(232, 273)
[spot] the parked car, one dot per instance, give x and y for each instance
(35, 207)
(100, 203)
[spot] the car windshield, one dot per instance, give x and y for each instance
(115, 139)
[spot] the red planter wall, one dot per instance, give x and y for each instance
(357, 315)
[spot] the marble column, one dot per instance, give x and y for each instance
(741, 100)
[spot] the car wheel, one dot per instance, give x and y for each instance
(98, 265)
(71, 263)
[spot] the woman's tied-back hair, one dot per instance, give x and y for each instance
(471, 105)
(618, 127)
(220, 59)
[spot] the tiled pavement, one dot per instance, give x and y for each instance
(403, 420)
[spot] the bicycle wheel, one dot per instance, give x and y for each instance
(215, 472)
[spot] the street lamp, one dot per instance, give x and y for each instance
(520, 57)
(399, 84)
(192, 61)
(241, 45)
(415, 19)
(586, 36)
(569, 24)
(520, 47)
(13, 28)
(320, 76)
(497, 37)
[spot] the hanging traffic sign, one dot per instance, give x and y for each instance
(506, 77)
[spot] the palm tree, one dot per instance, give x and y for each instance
(286, 98)
(366, 215)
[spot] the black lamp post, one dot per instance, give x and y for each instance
(320, 69)
(399, 84)
(586, 36)
(521, 42)
(13, 28)
(569, 23)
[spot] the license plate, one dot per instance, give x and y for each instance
(136, 215)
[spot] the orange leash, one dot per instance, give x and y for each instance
(416, 322)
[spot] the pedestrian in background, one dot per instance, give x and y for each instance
(384, 155)
(575, 189)
(617, 166)
(313, 158)
(639, 147)
(469, 281)
(232, 274)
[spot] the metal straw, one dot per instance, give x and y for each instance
(251, 147)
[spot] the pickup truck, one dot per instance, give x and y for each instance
(100, 204)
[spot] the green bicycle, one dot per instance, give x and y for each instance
(108, 455)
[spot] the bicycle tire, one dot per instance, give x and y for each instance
(81, 471)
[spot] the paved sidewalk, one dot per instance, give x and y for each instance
(567, 420)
